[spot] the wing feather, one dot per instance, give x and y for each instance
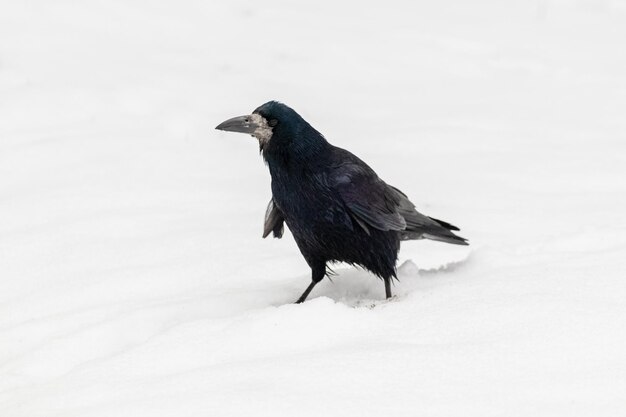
(274, 221)
(373, 203)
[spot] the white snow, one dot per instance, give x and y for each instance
(133, 278)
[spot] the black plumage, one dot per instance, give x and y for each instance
(336, 207)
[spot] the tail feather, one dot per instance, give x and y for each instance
(438, 235)
(419, 226)
(445, 224)
(453, 239)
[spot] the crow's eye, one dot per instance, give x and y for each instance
(273, 122)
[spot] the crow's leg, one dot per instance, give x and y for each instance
(387, 287)
(318, 271)
(306, 292)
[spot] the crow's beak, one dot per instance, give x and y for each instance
(242, 124)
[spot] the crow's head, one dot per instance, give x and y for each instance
(275, 125)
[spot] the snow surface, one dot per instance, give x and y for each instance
(133, 278)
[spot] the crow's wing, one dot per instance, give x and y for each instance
(374, 203)
(274, 221)
(370, 201)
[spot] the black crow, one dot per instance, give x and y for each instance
(335, 205)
